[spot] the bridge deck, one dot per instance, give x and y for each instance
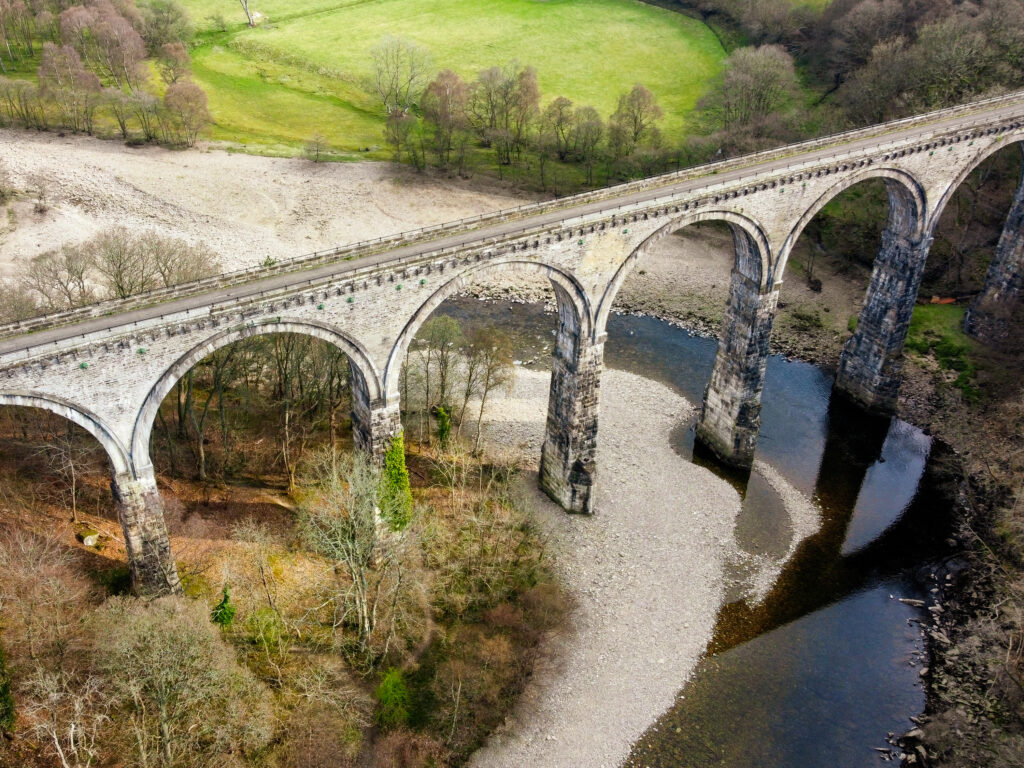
(603, 201)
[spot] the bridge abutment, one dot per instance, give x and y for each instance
(871, 364)
(730, 417)
(568, 465)
(991, 316)
(141, 511)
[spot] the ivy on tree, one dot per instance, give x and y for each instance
(395, 491)
(444, 425)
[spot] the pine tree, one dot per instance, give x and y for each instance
(224, 612)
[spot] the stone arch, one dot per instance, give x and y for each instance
(574, 309)
(947, 195)
(907, 208)
(753, 253)
(83, 417)
(359, 359)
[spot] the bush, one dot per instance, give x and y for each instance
(179, 684)
(393, 695)
(403, 748)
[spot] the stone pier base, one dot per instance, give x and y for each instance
(568, 467)
(373, 422)
(373, 429)
(730, 417)
(871, 365)
(141, 511)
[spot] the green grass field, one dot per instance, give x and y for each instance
(301, 71)
(937, 329)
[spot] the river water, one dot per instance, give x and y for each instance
(820, 669)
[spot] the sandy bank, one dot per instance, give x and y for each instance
(246, 208)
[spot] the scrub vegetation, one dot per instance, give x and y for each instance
(336, 612)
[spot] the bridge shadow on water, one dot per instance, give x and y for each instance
(822, 667)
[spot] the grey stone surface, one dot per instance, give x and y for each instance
(141, 511)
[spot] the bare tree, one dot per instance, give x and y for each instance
(315, 147)
(41, 596)
(122, 266)
(558, 119)
(22, 102)
(587, 133)
(443, 336)
(444, 108)
(176, 685)
(68, 84)
(756, 83)
(400, 70)
(636, 116)
(173, 62)
(70, 458)
(262, 544)
(67, 713)
(503, 104)
(120, 106)
(175, 261)
(248, 15)
(146, 108)
(61, 277)
(16, 302)
(495, 370)
(342, 520)
(397, 130)
(186, 102)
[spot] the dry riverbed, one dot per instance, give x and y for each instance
(246, 208)
(648, 573)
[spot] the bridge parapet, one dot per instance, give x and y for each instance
(715, 190)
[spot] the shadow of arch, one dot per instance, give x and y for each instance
(907, 208)
(942, 202)
(359, 359)
(83, 417)
(574, 309)
(752, 260)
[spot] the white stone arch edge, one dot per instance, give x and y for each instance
(997, 144)
(146, 417)
(745, 223)
(83, 417)
(907, 183)
(566, 288)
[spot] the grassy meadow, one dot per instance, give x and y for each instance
(302, 70)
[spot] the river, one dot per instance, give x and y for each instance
(820, 666)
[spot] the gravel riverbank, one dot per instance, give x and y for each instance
(648, 573)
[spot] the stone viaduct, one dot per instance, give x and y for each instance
(109, 366)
